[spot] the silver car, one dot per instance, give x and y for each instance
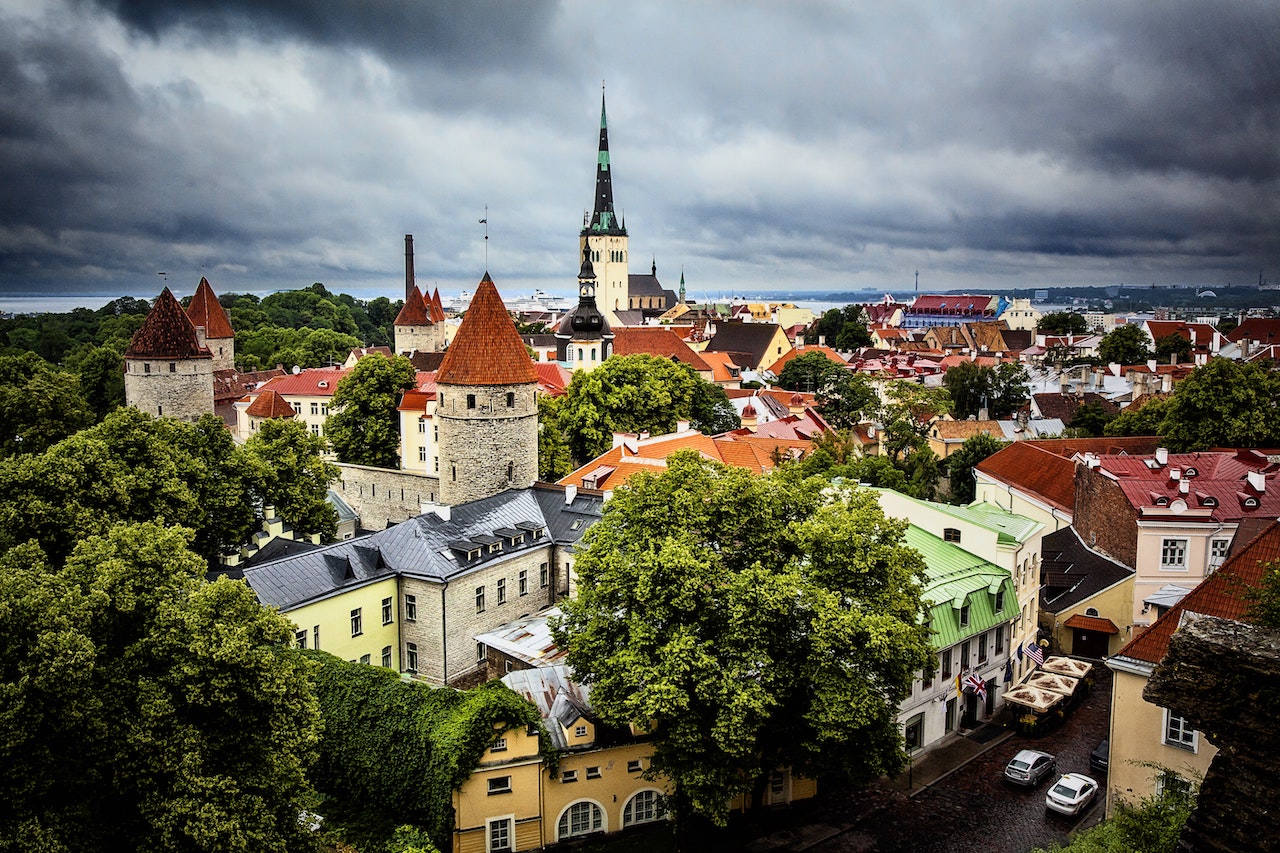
(1070, 794)
(1030, 767)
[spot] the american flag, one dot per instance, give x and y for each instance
(977, 685)
(1033, 651)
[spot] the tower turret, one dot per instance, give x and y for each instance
(584, 338)
(168, 370)
(207, 313)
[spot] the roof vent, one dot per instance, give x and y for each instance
(1162, 456)
(1206, 500)
(1257, 481)
(323, 383)
(1190, 472)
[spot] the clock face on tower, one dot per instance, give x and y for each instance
(584, 290)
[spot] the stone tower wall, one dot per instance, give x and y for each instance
(224, 352)
(612, 278)
(171, 388)
(486, 445)
(425, 338)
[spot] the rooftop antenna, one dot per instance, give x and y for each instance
(485, 223)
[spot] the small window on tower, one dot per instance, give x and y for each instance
(471, 401)
(173, 367)
(511, 399)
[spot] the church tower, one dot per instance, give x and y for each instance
(207, 313)
(605, 236)
(485, 405)
(168, 370)
(584, 339)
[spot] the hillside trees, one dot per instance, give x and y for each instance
(363, 425)
(761, 627)
(40, 405)
(145, 709)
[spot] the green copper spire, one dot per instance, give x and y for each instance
(603, 219)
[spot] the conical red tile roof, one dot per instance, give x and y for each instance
(205, 310)
(414, 312)
(166, 333)
(269, 404)
(487, 349)
(437, 307)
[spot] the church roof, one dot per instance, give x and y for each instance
(487, 349)
(603, 219)
(167, 332)
(269, 404)
(415, 311)
(435, 307)
(205, 310)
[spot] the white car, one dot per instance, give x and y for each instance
(1071, 793)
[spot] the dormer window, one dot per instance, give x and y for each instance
(1190, 472)
(951, 534)
(964, 615)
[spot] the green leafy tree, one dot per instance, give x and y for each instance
(1090, 419)
(1144, 419)
(1173, 344)
(1062, 323)
(101, 370)
(1264, 601)
(1002, 389)
(363, 426)
(909, 410)
(710, 411)
(843, 328)
(848, 399)
(1125, 345)
(755, 624)
(286, 468)
(960, 465)
(554, 459)
(810, 371)
(146, 709)
(628, 393)
(1224, 403)
(41, 405)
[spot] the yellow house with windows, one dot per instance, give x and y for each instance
(358, 624)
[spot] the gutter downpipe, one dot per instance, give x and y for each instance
(444, 633)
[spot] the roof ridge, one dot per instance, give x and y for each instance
(487, 349)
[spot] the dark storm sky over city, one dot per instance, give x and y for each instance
(813, 146)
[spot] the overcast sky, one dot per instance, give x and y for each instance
(268, 144)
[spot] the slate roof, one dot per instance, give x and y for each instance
(487, 349)
(415, 311)
(205, 310)
(269, 404)
(427, 547)
(526, 639)
(751, 339)
(167, 332)
(1073, 571)
(1221, 594)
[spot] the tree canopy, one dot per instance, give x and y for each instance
(145, 709)
(1125, 345)
(633, 393)
(1224, 403)
(848, 399)
(810, 371)
(1062, 323)
(364, 425)
(41, 405)
(1173, 344)
(844, 328)
(756, 622)
(960, 465)
(1001, 390)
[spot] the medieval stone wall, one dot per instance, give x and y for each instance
(1104, 518)
(488, 440)
(383, 497)
(170, 388)
(425, 338)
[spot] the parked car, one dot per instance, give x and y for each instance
(1030, 767)
(1099, 759)
(1071, 793)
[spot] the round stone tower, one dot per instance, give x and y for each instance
(168, 371)
(486, 406)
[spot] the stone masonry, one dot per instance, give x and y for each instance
(172, 388)
(488, 439)
(382, 497)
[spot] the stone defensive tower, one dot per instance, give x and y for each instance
(207, 314)
(420, 325)
(168, 370)
(485, 405)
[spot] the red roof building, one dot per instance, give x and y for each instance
(166, 333)
(487, 349)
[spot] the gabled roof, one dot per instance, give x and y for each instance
(1221, 594)
(834, 357)
(1264, 330)
(751, 339)
(723, 367)
(955, 578)
(553, 379)
(1073, 571)
(167, 332)
(658, 341)
(415, 311)
(231, 385)
(487, 349)
(316, 382)
(1034, 470)
(205, 310)
(269, 404)
(1215, 481)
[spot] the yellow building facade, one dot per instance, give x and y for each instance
(359, 625)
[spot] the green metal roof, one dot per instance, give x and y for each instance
(956, 578)
(1010, 528)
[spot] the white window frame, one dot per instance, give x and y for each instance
(1221, 546)
(597, 819)
(1173, 554)
(507, 822)
(499, 785)
(1176, 730)
(653, 808)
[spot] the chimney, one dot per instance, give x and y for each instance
(408, 266)
(442, 511)
(1166, 383)
(682, 426)
(1151, 365)
(1257, 481)
(1162, 456)
(1184, 487)
(822, 340)
(800, 341)
(570, 494)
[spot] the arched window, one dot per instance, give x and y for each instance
(593, 353)
(644, 807)
(581, 818)
(1091, 611)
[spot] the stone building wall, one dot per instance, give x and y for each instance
(1104, 518)
(488, 439)
(425, 338)
(171, 388)
(223, 351)
(382, 497)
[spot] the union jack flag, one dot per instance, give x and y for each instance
(977, 685)
(1035, 653)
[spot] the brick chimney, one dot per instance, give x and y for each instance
(408, 266)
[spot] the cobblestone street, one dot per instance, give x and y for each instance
(971, 809)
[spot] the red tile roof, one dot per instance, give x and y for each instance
(487, 349)
(269, 404)
(1097, 624)
(320, 382)
(167, 332)
(205, 310)
(1221, 594)
(553, 379)
(1265, 330)
(415, 311)
(657, 341)
(832, 356)
(436, 307)
(1219, 483)
(1035, 470)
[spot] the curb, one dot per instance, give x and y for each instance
(986, 747)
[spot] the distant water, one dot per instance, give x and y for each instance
(55, 304)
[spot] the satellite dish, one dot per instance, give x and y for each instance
(296, 370)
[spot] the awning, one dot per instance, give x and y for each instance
(1033, 697)
(1167, 595)
(1067, 666)
(1096, 624)
(1064, 685)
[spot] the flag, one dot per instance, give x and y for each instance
(959, 688)
(1019, 652)
(1008, 671)
(976, 685)
(1034, 652)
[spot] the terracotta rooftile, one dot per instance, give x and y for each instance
(414, 312)
(269, 404)
(487, 349)
(167, 332)
(205, 310)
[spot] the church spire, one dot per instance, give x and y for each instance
(603, 219)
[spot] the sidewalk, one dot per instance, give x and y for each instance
(944, 760)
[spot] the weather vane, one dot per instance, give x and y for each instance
(485, 223)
